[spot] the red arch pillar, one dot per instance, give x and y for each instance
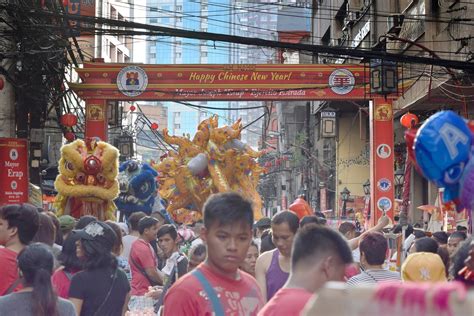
(96, 118)
(381, 159)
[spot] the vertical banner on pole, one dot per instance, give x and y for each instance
(322, 200)
(13, 171)
(96, 119)
(381, 159)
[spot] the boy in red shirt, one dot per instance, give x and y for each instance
(319, 255)
(217, 286)
(18, 225)
(144, 264)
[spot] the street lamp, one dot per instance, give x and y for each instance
(399, 179)
(344, 197)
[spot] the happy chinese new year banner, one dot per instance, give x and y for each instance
(222, 82)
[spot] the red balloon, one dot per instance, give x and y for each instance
(301, 208)
(154, 126)
(409, 120)
(70, 136)
(68, 120)
(132, 108)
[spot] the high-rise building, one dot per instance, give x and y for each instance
(198, 16)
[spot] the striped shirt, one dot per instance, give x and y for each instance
(373, 277)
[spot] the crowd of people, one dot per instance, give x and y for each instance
(227, 265)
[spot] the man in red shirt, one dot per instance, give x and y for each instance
(319, 254)
(217, 286)
(143, 265)
(18, 226)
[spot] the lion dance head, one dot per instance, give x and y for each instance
(87, 181)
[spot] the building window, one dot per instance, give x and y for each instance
(178, 55)
(177, 126)
(179, 19)
(152, 55)
(153, 9)
(203, 54)
(179, 8)
(153, 20)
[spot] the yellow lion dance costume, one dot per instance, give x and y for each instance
(87, 181)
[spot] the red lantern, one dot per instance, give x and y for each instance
(154, 126)
(409, 120)
(70, 136)
(132, 108)
(2, 83)
(65, 3)
(68, 120)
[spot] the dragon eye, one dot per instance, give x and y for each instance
(68, 165)
(100, 178)
(145, 187)
(80, 177)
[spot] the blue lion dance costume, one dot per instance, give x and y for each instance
(138, 190)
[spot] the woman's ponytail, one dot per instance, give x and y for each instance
(44, 297)
(36, 263)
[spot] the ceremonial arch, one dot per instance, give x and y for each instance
(136, 82)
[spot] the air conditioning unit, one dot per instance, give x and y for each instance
(394, 23)
(355, 5)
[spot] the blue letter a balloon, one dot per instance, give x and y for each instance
(442, 148)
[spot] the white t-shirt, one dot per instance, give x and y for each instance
(127, 245)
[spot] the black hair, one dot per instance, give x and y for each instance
(134, 219)
(266, 243)
(96, 259)
(458, 234)
(254, 244)
(461, 228)
(441, 237)
(227, 208)
(67, 256)
(320, 214)
(24, 217)
(36, 263)
(57, 228)
(198, 250)
(146, 222)
(458, 261)
(84, 221)
(118, 244)
(419, 233)
(312, 219)
(426, 244)
(397, 229)
(346, 227)
(167, 229)
(46, 230)
(287, 217)
(374, 247)
(315, 241)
